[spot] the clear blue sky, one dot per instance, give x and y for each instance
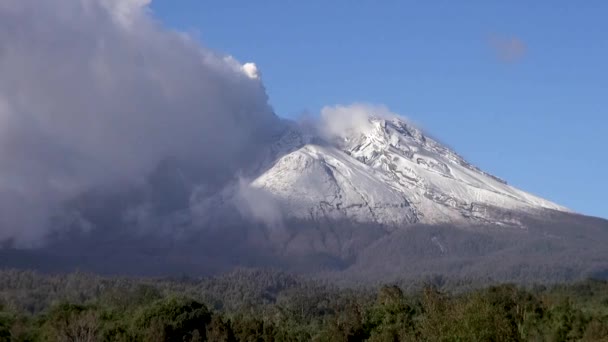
(519, 88)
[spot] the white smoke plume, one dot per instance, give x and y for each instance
(97, 92)
(341, 121)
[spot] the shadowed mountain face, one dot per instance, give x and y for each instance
(383, 202)
(558, 247)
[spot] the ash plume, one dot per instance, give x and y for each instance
(96, 93)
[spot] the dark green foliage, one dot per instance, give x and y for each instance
(392, 317)
(173, 319)
(253, 305)
(70, 322)
(5, 327)
(218, 330)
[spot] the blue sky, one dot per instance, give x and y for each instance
(519, 88)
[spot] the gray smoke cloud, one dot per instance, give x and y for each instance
(97, 92)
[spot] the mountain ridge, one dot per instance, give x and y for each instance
(391, 173)
(380, 201)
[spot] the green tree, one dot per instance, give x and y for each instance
(391, 318)
(71, 322)
(219, 331)
(173, 319)
(5, 327)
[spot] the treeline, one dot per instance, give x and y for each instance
(254, 305)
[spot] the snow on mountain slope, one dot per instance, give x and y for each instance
(317, 181)
(390, 173)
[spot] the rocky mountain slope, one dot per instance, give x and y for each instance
(389, 172)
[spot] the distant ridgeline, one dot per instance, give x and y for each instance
(255, 305)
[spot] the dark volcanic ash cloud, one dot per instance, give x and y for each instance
(96, 91)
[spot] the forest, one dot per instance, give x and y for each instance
(266, 305)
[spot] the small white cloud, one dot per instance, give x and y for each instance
(251, 70)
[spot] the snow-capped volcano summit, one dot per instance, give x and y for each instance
(359, 200)
(387, 171)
